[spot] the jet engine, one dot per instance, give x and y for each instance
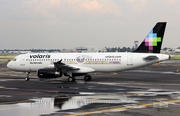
(48, 73)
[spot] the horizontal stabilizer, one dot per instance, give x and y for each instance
(149, 58)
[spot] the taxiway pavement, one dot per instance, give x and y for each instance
(149, 91)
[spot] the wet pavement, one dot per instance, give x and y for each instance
(149, 91)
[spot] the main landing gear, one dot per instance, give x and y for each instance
(87, 77)
(27, 78)
(73, 79)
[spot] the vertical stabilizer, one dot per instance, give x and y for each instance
(153, 41)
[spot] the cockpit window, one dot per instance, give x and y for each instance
(14, 59)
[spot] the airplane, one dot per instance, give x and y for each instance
(53, 65)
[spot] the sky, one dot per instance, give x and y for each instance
(59, 24)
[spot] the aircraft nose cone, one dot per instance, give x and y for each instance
(9, 65)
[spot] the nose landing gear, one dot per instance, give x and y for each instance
(27, 78)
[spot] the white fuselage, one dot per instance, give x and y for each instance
(86, 62)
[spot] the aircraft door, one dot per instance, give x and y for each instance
(130, 59)
(22, 62)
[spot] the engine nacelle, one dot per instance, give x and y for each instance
(48, 73)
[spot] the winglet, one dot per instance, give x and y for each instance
(153, 41)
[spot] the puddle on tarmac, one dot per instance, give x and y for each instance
(36, 108)
(44, 106)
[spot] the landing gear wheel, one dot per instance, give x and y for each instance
(71, 79)
(27, 79)
(87, 77)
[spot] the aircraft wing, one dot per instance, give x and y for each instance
(64, 67)
(72, 68)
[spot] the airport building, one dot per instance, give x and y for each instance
(90, 49)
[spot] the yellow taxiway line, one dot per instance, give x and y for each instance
(2, 87)
(124, 108)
